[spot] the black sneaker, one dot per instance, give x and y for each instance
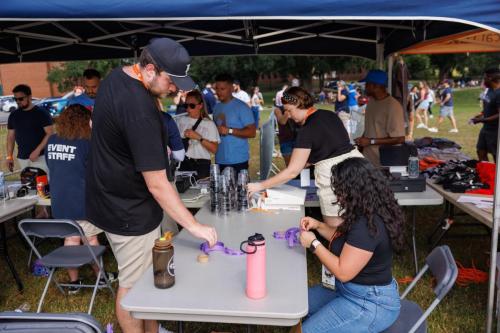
(112, 277)
(72, 290)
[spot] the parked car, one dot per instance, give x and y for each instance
(55, 105)
(8, 103)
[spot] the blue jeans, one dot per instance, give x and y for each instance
(256, 115)
(352, 308)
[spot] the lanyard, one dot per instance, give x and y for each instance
(137, 72)
(219, 246)
(291, 236)
(309, 112)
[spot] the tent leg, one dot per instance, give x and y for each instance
(494, 248)
(380, 49)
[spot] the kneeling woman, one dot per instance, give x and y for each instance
(359, 255)
(199, 134)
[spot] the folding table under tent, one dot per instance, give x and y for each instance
(61, 30)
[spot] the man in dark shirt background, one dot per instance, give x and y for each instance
(488, 136)
(30, 127)
(126, 185)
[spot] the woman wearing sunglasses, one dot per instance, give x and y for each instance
(199, 134)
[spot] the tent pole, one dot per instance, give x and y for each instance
(380, 50)
(390, 63)
(494, 247)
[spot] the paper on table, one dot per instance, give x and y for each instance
(481, 202)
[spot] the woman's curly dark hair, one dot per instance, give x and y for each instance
(362, 190)
(74, 123)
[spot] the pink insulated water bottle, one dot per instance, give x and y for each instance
(256, 266)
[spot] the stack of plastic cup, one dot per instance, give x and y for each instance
(215, 188)
(225, 197)
(242, 201)
(230, 175)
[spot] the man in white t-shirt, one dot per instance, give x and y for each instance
(240, 93)
(279, 94)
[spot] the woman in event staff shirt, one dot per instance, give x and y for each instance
(322, 141)
(366, 297)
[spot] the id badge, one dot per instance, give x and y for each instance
(327, 278)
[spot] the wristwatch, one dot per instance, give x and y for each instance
(230, 131)
(314, 245)
(372, 141)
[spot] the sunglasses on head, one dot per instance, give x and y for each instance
(19, 99)
(190, 105)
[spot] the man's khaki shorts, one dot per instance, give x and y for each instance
(322, 175)
(88, 228)
(133, 255)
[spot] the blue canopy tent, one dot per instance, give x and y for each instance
(59, 30)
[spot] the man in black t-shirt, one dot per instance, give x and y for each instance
(30, 127)
(126, 185)
(488, 136)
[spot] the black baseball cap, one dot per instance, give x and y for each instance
(172, 58)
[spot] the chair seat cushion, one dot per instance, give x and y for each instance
(410, 313)
(72, 256)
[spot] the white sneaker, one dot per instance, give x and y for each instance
(433, 129)
(161, 329)
(421, 125)
(431, 116)
(454, 130)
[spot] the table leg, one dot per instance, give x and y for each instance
(413, 237)
(3, 249)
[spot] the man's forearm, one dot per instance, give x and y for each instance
(389, 141)
(245, 133)
(10, 146)
(42, 144)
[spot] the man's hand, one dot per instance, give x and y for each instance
(476, 120)
(35, 154)
(205, 232)
(190, 134)
(362, 141)
(223, 130)
(306, 238)
(10, 164)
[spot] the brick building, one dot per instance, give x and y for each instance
(32, 74)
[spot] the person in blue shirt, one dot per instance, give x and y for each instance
(174, 138)
(235, 123)
(446, 110)
(209, 98)
(66, 157)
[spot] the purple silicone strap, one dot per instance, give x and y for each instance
(291, 236)
(219, 246)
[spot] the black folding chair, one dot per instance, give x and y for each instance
(64, 256)
(29, 322)
(442, 266)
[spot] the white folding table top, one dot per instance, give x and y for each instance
(215, 291)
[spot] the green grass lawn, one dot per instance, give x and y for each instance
(463, 310)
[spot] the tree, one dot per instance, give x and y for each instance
(70, 73)
(420, 67)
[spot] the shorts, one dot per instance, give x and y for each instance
(89, 230)
(424, 105)
(446, 111)
(133, 255)
(286, 148)
(487, 141)
(39, 163)
(322, 175)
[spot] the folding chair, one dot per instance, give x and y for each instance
(443, 268)
(29, 322)
(64, 256)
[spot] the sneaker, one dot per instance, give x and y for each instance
(72, 290)
(454, 130)
(421, 125)
(112, 277)
(433, 130)
(431, 116)
(161, 329)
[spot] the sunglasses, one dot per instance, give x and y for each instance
(190, 105)
(19, 99)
